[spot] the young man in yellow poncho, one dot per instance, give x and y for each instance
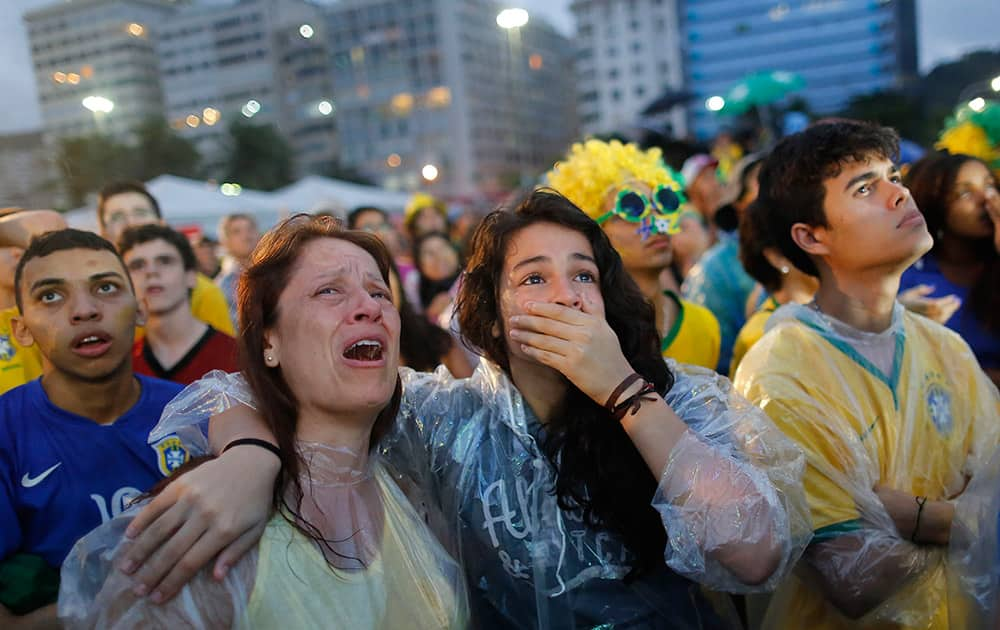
(893, 412)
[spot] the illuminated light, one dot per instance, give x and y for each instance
(778, 12)
(210, 115)
(429, 172)
(402, 103)
(59, 77)
(512, 18)
(306, 31)
(393, 160)
(325, 107)
(73, 78)
(177, 123)
(136, 30)
(192, 121)
(87, 71)
(715, 103)
(251, 108)
(230, 189)
(535, 62)
(98, 104)
(995, 84)
(439, 96)
(977, 104)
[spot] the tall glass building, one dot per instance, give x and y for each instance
(842, 48)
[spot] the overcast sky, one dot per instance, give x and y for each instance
(947, 28)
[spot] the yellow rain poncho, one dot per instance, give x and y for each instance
(908, 408)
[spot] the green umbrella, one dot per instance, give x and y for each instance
(760, 88)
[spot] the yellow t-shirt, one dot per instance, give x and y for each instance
(751, 333)
(695, 337)
(207, 304)
(18, 364)
(920, 430)
(412, 583)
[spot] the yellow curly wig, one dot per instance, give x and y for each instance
(594, 168)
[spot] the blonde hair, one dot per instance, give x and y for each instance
(594, 168)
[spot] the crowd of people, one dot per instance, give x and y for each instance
(753, 390)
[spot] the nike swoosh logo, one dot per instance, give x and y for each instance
(30, 482)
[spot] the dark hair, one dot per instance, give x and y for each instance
(119, 188)
(428, 288)
(746, 172)
(599, 469)
(422, 344)
(793, 175)
(139, 234)
(754, 239)
(61, 240)
(260, 286)
(354, 215)
(931, 181)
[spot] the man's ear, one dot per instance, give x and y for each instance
(21, 332)
(810, 238)
(191, 279)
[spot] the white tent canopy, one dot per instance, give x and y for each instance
(314, 192)
(192, 202)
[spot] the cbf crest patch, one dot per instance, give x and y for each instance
(937, 400)
(170, 454)
(7, 350)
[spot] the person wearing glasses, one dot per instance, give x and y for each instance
(637, 202)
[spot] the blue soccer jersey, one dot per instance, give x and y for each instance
(62, 475)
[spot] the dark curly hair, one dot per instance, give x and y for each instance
(754, 239)
(791, 179)
(931, 181)
(599, 469)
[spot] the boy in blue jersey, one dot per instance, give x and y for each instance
(73, 449)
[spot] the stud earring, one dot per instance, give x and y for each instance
(269, 358)
(785, 269)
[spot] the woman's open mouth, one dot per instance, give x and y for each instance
(365, 350)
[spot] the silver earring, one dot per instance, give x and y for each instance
(269, 358)
(785, 269)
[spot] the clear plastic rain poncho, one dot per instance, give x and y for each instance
(464, 451)
(908, 409)
(381, 567)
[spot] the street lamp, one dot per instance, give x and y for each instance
(99, 106)
(979, 89)
(715, 103)
(512, 18)
(429, 172)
